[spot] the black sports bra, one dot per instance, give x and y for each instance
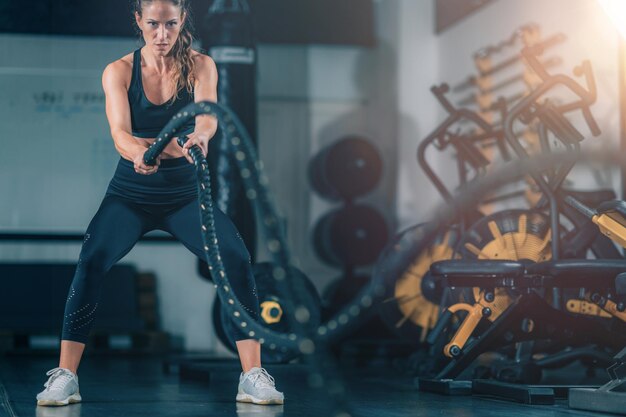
(149, 119)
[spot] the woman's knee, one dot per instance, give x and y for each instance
(94, 262)
(101, 250)
(91, 268)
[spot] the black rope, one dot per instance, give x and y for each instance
(256, 187)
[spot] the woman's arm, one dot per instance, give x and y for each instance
(118, 114)
(205, 88)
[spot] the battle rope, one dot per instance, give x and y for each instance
(304, 339)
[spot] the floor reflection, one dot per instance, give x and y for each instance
(253, 410)
(72, 410)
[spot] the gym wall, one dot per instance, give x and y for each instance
(418, 111)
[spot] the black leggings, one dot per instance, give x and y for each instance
(119, 224)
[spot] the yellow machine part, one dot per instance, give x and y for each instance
(613, 226)
(462, 335)
(514, 246)
(500, 303)
(511, 246)
(607, 310)
(271, 312)
(408, 290)
(586, 308)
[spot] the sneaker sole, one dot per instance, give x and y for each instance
(247, 398)
(72, 399)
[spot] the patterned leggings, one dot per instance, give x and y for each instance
(116, 228)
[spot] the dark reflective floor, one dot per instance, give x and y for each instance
(136, 386)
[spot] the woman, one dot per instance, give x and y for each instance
(143, 91)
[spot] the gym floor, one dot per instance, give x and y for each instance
(153, 386)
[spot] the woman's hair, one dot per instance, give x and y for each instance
(183, 72)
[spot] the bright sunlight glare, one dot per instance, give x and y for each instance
(616, 10)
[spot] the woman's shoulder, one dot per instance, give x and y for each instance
(125, 63)
(202, 62)
(200, 58)
(120, 69)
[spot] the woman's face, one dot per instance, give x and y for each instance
(160, 23)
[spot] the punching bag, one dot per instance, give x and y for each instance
(227, 36)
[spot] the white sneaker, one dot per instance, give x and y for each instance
(61, 388)
(257, 386)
